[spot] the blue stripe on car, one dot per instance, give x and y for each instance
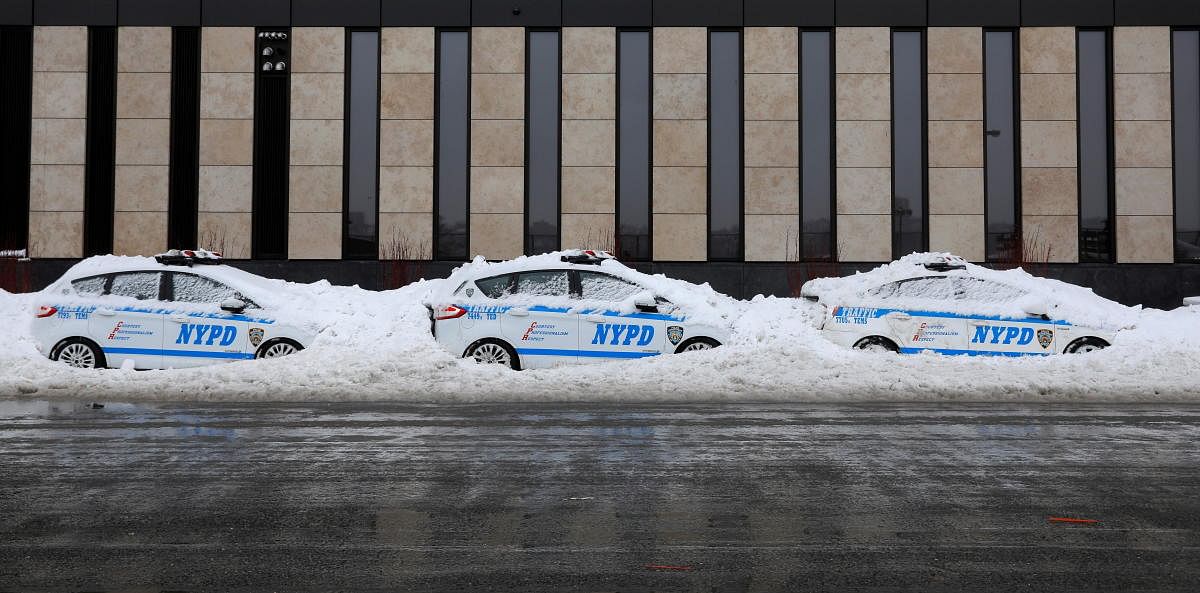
(956, 352)
(582, 353)
(182, 353)
(881, 312)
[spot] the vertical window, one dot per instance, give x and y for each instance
(183, 190)
(269, 208)
(1185, 72)
(908, 142)
(16, 83)
(452, 121)
(633, 151)
(1000, 146)
(816, 146)
(1095, 148)
(362, 148)
(724, 145)
(100, 170)
(541, 146)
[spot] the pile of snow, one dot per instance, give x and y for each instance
(377, 346)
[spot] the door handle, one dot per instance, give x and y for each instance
(519, 312)
(901, 316)
(179, 319)
(595, 318)
(976, 322)
(105, 312)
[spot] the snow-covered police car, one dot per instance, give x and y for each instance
(565, 308)
(180, 309)
(938, 302)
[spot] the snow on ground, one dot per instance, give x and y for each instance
(377, 346)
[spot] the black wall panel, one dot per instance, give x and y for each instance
(516, 13)
(335, 13)
(606, 13)
(182, 195)
(698, 13)
(1158, 12)
(246, 13)
(793, 13)
(1067, 13)
(269, 203)
(75, 12)
(881, 13)
(16, 81)
(159, 13)
(100, 171)
(16, 12)
(974, 13)
(426, 13)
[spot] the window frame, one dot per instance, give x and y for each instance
(1016, 115)
(924, 86)
(347, 110)
(436, 251)
(649, 165)
(801, 254)
(1110, 167)
(740, 256)
(1175, 255)
(528, 237)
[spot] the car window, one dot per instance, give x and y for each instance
(190, 288)
(139, 285)
(494, 287)
(984, 291)
(603, 287)
(934, 288)
(93, 286)
(546, 283)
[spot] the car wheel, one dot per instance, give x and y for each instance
(1086, 344)
(493, 352)
(877, 344)
(79, 353)
(695, 344)
(277, 348)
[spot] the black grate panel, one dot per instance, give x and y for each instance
(16, 83)
(183, 201)
(101, 141)
(270, 205)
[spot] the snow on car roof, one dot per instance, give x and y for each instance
(240, 279)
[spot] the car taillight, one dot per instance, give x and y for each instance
(449, 312)
(44, 311)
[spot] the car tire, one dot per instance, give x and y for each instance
(278, 347)
(1085, 344)
(80, 353)
(493, 352)
(877, 344)
(695, 344)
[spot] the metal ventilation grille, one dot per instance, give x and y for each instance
(183, 201)
(16, 83)
(101, 141)
(271, 116)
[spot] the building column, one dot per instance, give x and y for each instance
(316, 143)
(406, 143)
(589, 137)
(771, 144)
(226, 179)
(680, 145)
(497, 184)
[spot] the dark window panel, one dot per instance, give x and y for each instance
(908, 143)
(974, 13)
(1000, 146)
(182, 195)
(362, 149)
(240, 13)
(16, 12)
(452, 122)
(633, 137)
(426, 13)
(100, 172)
(1095, 142)
(16, 82)
(792, 13)
(1157, 12)
(269, 218)
(697, 13)
(506, 13)
(159, 13)
(75, 12)
(605, 13)
(335, 13)
(1067, 13)
(542, 143)
(816, 147)
(880, 13)
(1186, 97)
(725, 146)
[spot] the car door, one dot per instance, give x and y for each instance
(609, 333)
(1002, 336)
(197, 332)
(128, 323)
(539, 323)
(917, 311)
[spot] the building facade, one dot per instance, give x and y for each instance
(717, 138)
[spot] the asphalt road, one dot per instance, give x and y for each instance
(704, 497)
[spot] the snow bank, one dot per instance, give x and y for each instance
(377, 346)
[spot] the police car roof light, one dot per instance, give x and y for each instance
(187, 257)
(588, 256)
(944, 266)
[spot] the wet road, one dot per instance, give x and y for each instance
(705, 497)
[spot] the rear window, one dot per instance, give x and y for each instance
(93, 286)
(494, 287)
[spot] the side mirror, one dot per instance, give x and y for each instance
(233, 305)
(646, 304)
(1035, 308)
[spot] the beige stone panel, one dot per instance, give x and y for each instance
(954, 50)
(589, 96)
(1050, 192)
(589, 143)
(498, 49)
(589, 49)
(227, 95)
(60, 49)
(864, 97)
(226, 232)
(56, 187)
(55, 234)
(770, 96)
(227, 49)
(141, 187)
(59, 94)
(587, 231)
(497, 189)
(955, 144)
(1142, 143)
(144, 49)
(314, 235)
(1058, 235)
(318, 49)
(1048, 97)
(863, 144)
(1048, 143)
(407, 49)
(406, 142)
(956, 191)
(406, 96)
(772, 190)
(864, 237)
(863, 50)
(498, 143)
(317, 142)
(405, 234)
(680, 50)
(143, 94)
(315, 189)
(589, 190)
(680, 190)
(1144, 191)
(226, 142)
(406, 189)
(770, 49)
(771, 237)
(960, 234)
(1141, 49)
(139, 233)
(1142, 97)
(143, 142)
(680, 237)
(497, 236)
(864, 191)
(1145, 239)
(317, 96)
(680, 143)
(1047, 49)
(498, 96)
(226, 188)
(58, 142)
(955, 96)
(771, 144)
(680, 96)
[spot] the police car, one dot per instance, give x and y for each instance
(562, 309)
(179, 309)
(940, 303)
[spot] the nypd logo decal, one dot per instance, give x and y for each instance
(675, 334)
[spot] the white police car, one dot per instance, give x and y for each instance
(181, 309)
(560, 309)
(940, 303)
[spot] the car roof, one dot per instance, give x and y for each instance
(110, 264)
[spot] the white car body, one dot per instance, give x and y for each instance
(155, 316)
(942, 304)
